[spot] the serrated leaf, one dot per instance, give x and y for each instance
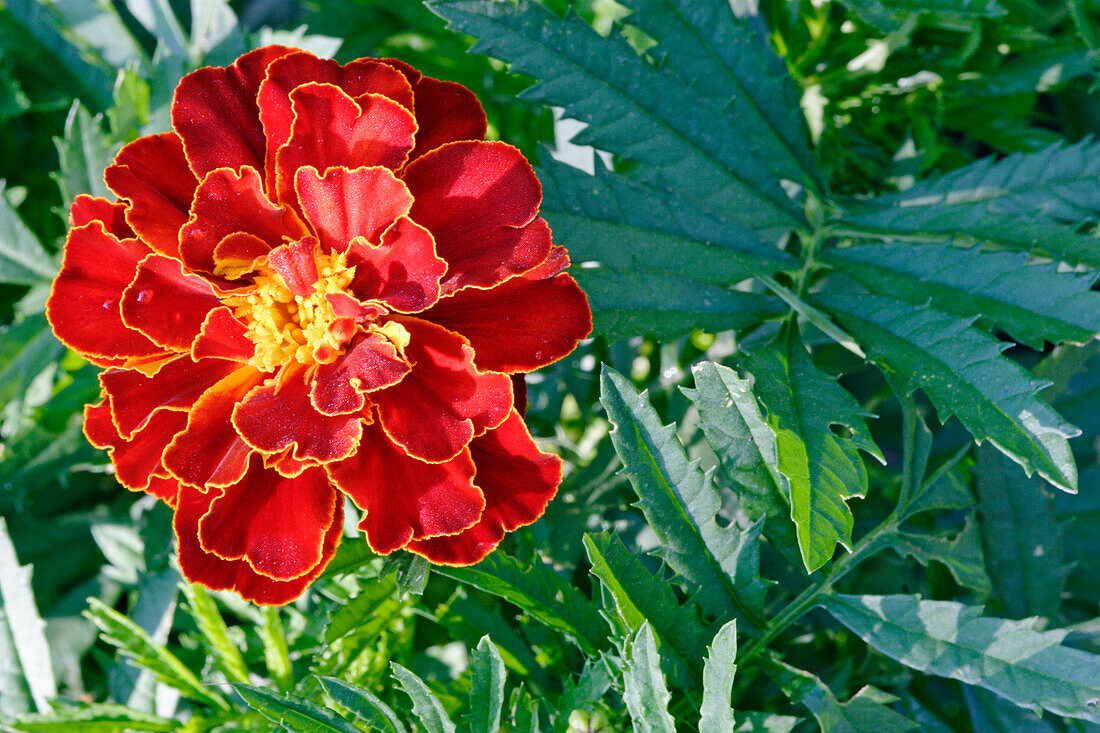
(644, 691)
(1010, 658)
(823, 470)
(94, 718)
(964, 374)
(426, 706)
(755, 721)
(1026, 201)
(1022, 538)
(962, 555)
(276, 651)
(992, 714)
(632, 108)
(486, 688)
(30, 667)
(363, 704)
(226, 654)
(85, 151)
(716, 713)
(866, 710)
(888, 15)
(1033, 303)
(23, 260)
(681, 503)
(349, 617)
(298, 715)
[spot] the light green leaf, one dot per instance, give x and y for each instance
(962, 555)
(1033, 303)
(300, 716)
(681, 503)
(363, 704)
(963, 373)
(23, 260)
(866, 710)
(157, 17)
(27, 673)
(350, 617)
(1010, 658)
(217, 37)
(426, 706)
(715, 713)
(486, 688)
(227, 654)
(276, 651)
(94, 718)
(754, 721)
(644, 691)
(85, 152)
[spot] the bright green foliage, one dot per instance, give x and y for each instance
(426, 706)
(363, 705)
(487, 693)
(298, 715)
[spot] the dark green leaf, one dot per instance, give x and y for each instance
(23, 260)
(962, 555)
(866, 711)
(363, 704)
(300, 716)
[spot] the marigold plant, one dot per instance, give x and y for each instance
(323, 282)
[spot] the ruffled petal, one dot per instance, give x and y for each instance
(279, 414)
(166, 303)
(296, 265)
(404, 498)
(444, 401)
(228, 202)
(84, 304)
(153, 175)
(370, 363)
(274, 523)
(403, 271)
(223, 336)
(445, 112)
(210, 452)
(137, 460)
(518, 481)
(208, 569)
(480, 201)
(112, 214)
(175, 386)
(344, 204)
(332, 129)
(215, 113)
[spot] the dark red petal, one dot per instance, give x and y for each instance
(276, 524)
(238, 253)
(344, 204)
(138, 459)
(279, 414)
(164, 488)
(215, 113)
(112, 214)
(152, 174)
(228, 202)
(403, 271)
(207, 569)
(479, 200)
(175, 386)
(521, 324)
(359, 77)
(444, 401)
(83, 307)
(519, 392)
(295, 264)
(210, 452)
(404, 498)
(223, 336)
(518, 481)
(166, 303)
(445, 112)
(370, 363)
(332, 129)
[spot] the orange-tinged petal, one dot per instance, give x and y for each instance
(370, 363)
(344, 204)
(518, 481)
(166, 303)
(403, 271)
(152, 174)
(138, 459)
(444, 401)
(274, 523)
(480, 201)
(238, 254)
(404, 498)
(295, 263)
(223, 336)
(112, 214)
(278, 414)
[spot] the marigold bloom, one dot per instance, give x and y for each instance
(323, 282)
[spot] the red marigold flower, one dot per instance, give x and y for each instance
(323, 282)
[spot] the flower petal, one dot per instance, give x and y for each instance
(344, 204)
(207, 569)
(295, 263)
(332, 129)
(480, 201)
(370, 363)
(445, 112)
(166, 303)
(444, 401)
(404, 498)
(215, 113)
(83, 307)
(518, 481)
(223, 336)
(403, 271)
(210, 452)
(279, 414)
(138, 459)
(153, 175)
(112, 214)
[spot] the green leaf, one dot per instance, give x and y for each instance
(27, 349)
(1026, 201)
(23, 260)
(135, 643)
(715, 713)
(1010, 658)
(866, 710)
(823, 469)
(964, 374)
(363, 704)
(962, 555)
(296, 714)
(276, 651)
(753, 721)
(642, 112)
(992, 714)
(28, 673)
(94, 718)
(1022, 538)
(1033, 303)
(681, 503)
(486, 688)
(85, 151)
(644, 691)
(156, 16)
(227, 654)
(426, 706)
(888, 15)
(540, 592)
(350, 617)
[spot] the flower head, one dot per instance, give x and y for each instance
(323, 282)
